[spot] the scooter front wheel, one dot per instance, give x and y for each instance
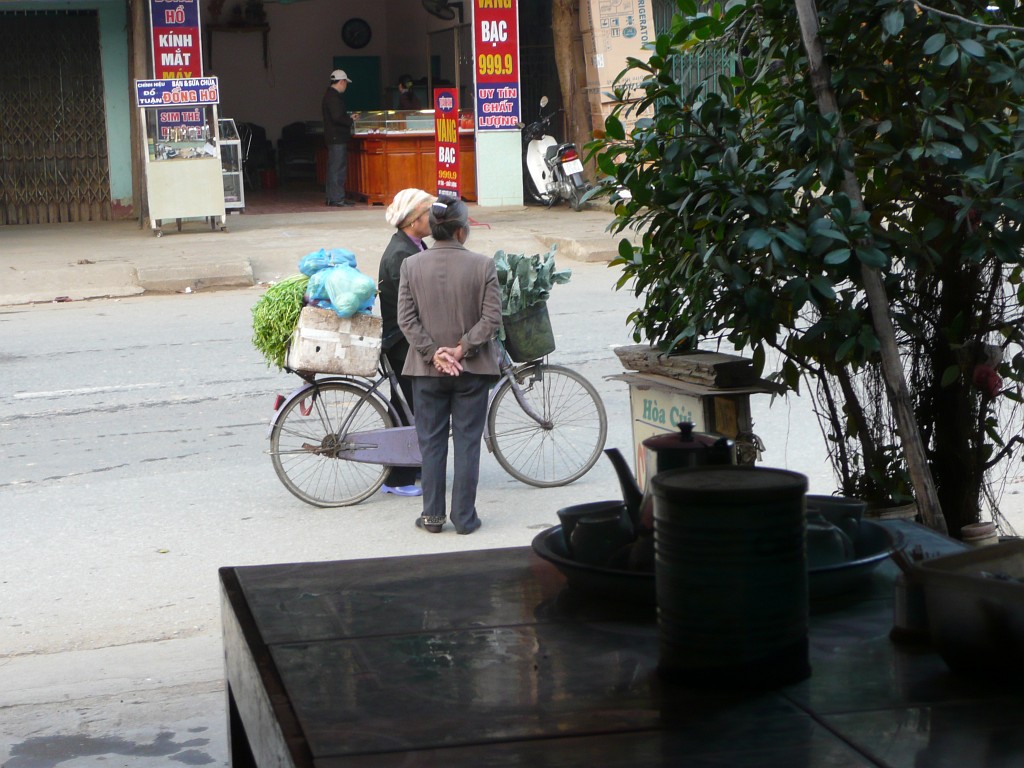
(576, 197)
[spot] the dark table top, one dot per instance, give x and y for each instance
(485, 658)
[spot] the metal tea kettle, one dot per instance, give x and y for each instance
(673, 450)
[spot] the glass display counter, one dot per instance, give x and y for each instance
(404, 121)
(231, 165)
(391, 150)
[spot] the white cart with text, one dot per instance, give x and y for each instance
(180, 133)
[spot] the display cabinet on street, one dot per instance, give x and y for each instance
(180, 134)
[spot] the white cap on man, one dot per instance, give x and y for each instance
(338, 75)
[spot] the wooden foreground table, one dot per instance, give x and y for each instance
(485, 659)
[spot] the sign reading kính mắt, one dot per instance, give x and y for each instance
(177, 44)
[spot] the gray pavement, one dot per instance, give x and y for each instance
(43, 263)
(156, 703)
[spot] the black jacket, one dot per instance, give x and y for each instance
(337, 121)
(399, 249)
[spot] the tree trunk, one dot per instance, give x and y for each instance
(955, 407)
(572, 73)
(878, 302)
(138, 67)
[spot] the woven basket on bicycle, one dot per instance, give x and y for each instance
(528, 334)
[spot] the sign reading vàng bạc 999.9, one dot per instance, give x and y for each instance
(496, 63)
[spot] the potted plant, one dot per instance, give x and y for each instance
(749, 236)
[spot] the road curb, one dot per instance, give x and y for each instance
(595, 249)
(164, 279)
(73, 283)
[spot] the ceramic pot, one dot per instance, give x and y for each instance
(842, 511)
(827, 544)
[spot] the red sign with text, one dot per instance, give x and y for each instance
(446, 140)
(496, 63)
(177, 48)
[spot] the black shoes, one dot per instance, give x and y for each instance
(430, 524)
(339, 204)
(435, 524)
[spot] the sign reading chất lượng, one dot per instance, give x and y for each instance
(496, 64)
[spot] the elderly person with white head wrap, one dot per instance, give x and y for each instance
(408, 215)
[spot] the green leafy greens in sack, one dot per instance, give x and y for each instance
(526, 280)
(275, 317)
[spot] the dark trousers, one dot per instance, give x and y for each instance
(337, 171)
(396, 356)
(458, 403)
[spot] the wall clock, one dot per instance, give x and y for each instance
(356, 33)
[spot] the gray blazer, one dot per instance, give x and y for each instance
(448, 294)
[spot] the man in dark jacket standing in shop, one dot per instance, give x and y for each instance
(337, 132)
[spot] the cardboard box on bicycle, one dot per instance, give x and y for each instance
(326, 343)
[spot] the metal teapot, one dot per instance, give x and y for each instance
(673, 450)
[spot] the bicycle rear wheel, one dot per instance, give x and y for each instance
(563, 450)
(304, 444)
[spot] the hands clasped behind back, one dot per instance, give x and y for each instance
(446, 360)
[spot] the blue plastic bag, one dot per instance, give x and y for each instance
(335, 283)
(344, 289)
(313, 262)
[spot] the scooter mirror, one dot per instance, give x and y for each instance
(543, 101)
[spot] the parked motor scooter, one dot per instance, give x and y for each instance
(551, 171)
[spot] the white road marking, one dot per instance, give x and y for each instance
(85, 391)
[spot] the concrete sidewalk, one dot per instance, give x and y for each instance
(70, 262)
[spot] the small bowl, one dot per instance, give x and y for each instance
(569, 516)
(598, 539)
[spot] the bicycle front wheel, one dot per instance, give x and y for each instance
(566, 445)
(305, 442)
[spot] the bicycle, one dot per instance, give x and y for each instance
(333, 439)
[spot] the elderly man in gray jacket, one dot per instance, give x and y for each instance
(449, 308)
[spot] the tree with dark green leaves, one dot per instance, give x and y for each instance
(749, 235)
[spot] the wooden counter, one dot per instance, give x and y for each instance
(380, 165)
(370, 663)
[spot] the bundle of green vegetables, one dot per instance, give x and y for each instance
(526, 280)
(275, 317)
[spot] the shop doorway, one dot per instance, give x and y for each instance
(538, 71)
(54, 165)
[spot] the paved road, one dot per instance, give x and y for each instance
(134, 433)
(136, 465)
